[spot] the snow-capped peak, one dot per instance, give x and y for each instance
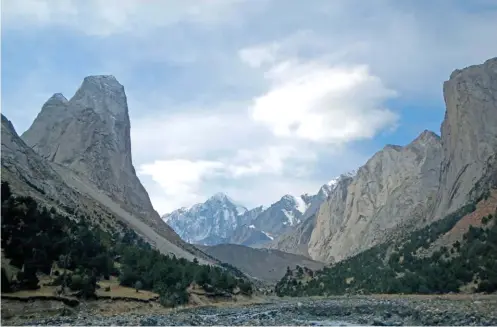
(219, 196)
(223, 198)
(299, 203)
(211, 221)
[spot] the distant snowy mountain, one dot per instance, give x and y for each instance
(281, 215)
(314, 201)
(211, 222)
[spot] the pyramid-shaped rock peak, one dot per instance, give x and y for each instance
(90, 134)
(427, 136)
(57, 98)
(219, 196)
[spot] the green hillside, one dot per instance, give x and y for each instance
(35, 239)
(398, 268)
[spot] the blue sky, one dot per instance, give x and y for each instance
(254, 98)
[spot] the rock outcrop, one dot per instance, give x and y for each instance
(469, 136)
(396, 187)
(90, 134)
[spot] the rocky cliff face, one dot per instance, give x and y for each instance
(328, 219)
(396, 187)
(403, 188)
(90, 134)
(469, 136)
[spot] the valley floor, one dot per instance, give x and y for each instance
(377, 310)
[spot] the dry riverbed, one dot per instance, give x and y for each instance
(377, 310)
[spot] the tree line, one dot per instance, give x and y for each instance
(399, 267)
(36, 239)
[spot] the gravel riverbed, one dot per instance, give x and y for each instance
(318, 312)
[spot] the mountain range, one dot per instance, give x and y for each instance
(221, 220)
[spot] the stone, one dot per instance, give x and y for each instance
(148, 322)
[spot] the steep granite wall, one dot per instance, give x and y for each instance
(90, 134)
(469, 136)
(396, 187)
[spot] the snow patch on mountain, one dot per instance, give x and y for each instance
(268, 235)
(291, 217)
(301, 205)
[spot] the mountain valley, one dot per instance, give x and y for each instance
(414, 219)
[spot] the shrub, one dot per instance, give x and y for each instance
(76, 282)
(138, 285)
(5, 282)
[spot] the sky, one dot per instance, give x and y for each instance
(253, 98)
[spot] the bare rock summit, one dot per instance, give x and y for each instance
(90, 134)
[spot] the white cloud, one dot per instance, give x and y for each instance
(178, 180)
(108, 17)
(257, 56)
(192, 131)
(322, 103)
(273, 160)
